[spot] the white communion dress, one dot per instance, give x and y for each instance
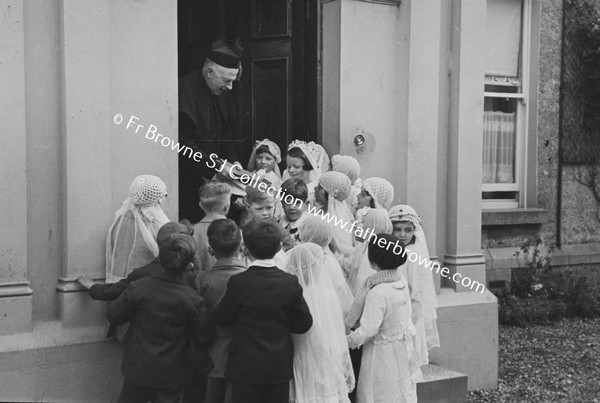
(390, 363)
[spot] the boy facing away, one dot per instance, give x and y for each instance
(166, 316)
(225, 240)
(262, 305)
(215, 199)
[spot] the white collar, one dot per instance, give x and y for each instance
(263, 263)
(293, 224)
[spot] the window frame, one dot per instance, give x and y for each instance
(523, 111)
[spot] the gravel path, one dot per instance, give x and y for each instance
(557, 363)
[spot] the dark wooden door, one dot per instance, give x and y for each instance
(277, 96)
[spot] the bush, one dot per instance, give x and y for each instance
(523, 312)
(528, 280)
(583, 297)
(540, 295)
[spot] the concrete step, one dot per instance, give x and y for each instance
(442, 385)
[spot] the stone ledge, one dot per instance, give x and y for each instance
(442, 385)
(51, 334)
(568, 255)
(465, 317)
(15, 289)
(74, 369)
(520, 216)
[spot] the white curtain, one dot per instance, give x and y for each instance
(499, 147)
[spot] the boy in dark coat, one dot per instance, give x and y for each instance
(166, 316)
(224, 240)
(263, 305)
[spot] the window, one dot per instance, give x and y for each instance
(505, 113)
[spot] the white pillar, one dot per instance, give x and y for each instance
(425, 164)
(463, 234)
(118, 58)
(15, 293)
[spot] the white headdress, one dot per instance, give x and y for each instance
(131, 239)
(372, 221)
(347, 165)
(316, 230)
(337, 185)
(381, 191)
(315, 154)
(273, 149)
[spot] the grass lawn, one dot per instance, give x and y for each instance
(556, 363)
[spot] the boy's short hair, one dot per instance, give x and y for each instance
(173, 227)
(385, 257)
(295, 187)
(253, 195)
(213, 195)
(175, 252)
(262, 238)
(224, 237)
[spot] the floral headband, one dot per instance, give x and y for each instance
(272, 146)
(404, 213)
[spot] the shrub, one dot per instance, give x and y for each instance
(582, 297)
(528, 280)
(523, 312)
(540, 295)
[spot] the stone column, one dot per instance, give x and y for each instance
(118, 58)
(463, 232)
(86, 123)
(15, 293)
(425, 164)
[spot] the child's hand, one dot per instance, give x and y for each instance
(86, 282)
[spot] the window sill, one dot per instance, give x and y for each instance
(520, 216)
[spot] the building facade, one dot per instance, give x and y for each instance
(411, 89)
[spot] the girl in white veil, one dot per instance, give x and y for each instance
(266, 166)
(131, 239)
(322, 367)
(316, 230)
(350, 167)
(306, 161)
(356, 265)
(420, 278)
(330, 195)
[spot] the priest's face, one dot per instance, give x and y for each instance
(220, 79)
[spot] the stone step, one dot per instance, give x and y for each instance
(442, 385)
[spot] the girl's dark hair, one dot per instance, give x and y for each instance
(263, 149)
(372, 202)
(298, 153)
(385, 257)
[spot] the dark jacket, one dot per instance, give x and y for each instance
(263, 305)
(112, 291)
(207, 124)
(211, 285)
(168, 319)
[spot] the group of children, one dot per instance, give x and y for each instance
(272, 317)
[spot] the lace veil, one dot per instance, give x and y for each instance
(273, 149)
(318, 231)
(131, 239)
(322, 367)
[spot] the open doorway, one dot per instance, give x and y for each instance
(278, 94)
